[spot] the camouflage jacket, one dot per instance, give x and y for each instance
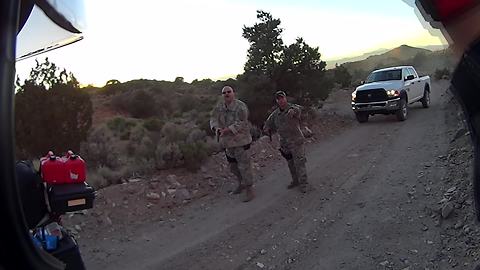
(287, 127)
(235, 117)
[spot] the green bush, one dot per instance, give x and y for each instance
(256, 132)
(111, 176)
(139, 103)
(174, 132)
(203, 123)
(165, 107)
(153, 124)
(188, 103)
(51, 112)
(96, 180)
(120, 126)
(120, 102)
(194, 155)
(138, 133)
(145, 149)
(168, 156)
(142, 105)
(99, 148)
(113, 87)
(196, 135)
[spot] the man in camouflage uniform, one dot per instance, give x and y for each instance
(286, 121)
(229, 121)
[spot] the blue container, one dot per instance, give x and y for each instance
(37, 242)
(51, 242)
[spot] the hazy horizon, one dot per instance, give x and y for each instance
(188, 39)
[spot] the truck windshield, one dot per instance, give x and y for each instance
(388, 75)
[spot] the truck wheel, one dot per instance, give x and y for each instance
(426, 99)
(361, 117)
(402, 112)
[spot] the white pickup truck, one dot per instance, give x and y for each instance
(389, 91)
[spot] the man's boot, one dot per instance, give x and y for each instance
(248, 194)
(293, 184)
(239, 189)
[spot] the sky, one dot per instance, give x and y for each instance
(162, 40)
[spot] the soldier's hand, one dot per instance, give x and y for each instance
(225, 131)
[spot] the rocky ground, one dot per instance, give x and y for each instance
(454, 212)
(120, 208)
(385, 195)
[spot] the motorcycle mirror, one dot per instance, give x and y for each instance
(52, 24)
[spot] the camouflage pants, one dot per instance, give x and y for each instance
(295, 156)
(240, 161)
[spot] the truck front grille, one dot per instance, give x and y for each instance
(372, 95)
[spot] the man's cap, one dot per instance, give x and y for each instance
(280, 94)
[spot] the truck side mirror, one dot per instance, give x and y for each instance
(409, 77)
(362, 82)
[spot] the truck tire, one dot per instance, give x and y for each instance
(426, 99)
(361, 117)
(402, 112)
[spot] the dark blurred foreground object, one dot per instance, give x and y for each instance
(445, 11)
(466, 87)
(32, 194)
(17, 250)
(43, 205)
(459, 21)
(68, 252)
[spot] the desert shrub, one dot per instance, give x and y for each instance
(256, 132)
(99, 149)
(142, 105)
(212, 145)
(187, 103)
(111, 176)
(203, 122)
(174, 132)
(153, 124)
(194, 154)
(96, 180)
(121, 127)
(139, 103)
(196, 135)
(51, 112)
(168, 155)
(146, 149)
(164, 107)
(120, 101)
(141, 166)
(138, 133)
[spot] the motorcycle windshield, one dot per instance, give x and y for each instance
(51, 26)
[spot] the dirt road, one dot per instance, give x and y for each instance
(373, 206)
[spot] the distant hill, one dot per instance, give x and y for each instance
(332, 63)
(424, 60)
(392, 57)
(435, 47)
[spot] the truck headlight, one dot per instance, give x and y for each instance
(354, 95)
(393, 93)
